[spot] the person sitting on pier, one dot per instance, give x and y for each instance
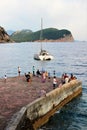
(72, 77)
(27, 77)
(65, 78)
(38, 73)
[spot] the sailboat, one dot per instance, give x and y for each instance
(43, 54)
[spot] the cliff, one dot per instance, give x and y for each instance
(68, 38)
(4, 37)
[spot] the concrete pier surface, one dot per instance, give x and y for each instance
(16, 92)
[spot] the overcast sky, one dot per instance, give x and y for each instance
(61, 14)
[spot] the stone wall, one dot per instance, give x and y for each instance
(38, 112)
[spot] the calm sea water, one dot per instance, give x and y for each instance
(69, 58)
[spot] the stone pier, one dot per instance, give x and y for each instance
(38, 112)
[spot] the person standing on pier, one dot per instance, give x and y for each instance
(54, 82)
(33, 71)
(54, 72)
(5, 78)
(19, 70)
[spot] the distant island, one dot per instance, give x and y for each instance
(49, 35)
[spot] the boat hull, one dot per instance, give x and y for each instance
(43, 57)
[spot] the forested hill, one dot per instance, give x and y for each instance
(49, 34)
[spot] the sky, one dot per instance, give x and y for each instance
(61, 14)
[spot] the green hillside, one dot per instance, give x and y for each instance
(21, 36)
(49, 34)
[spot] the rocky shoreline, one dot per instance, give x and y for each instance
(68, 38)
(4, 37)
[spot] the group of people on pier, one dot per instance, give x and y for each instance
(45, 76)
(64, 79)
(57, 82)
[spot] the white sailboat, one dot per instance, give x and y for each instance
(43, 55)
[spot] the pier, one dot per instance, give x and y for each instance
(23, 107)
(16, 92)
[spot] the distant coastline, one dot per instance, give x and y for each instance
(49, 35)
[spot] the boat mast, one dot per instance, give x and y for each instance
(41, 33)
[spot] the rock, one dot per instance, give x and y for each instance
(68, 38)
(4, 37)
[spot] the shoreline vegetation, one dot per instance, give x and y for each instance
(49, 35)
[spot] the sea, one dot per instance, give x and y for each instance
(69, 57)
